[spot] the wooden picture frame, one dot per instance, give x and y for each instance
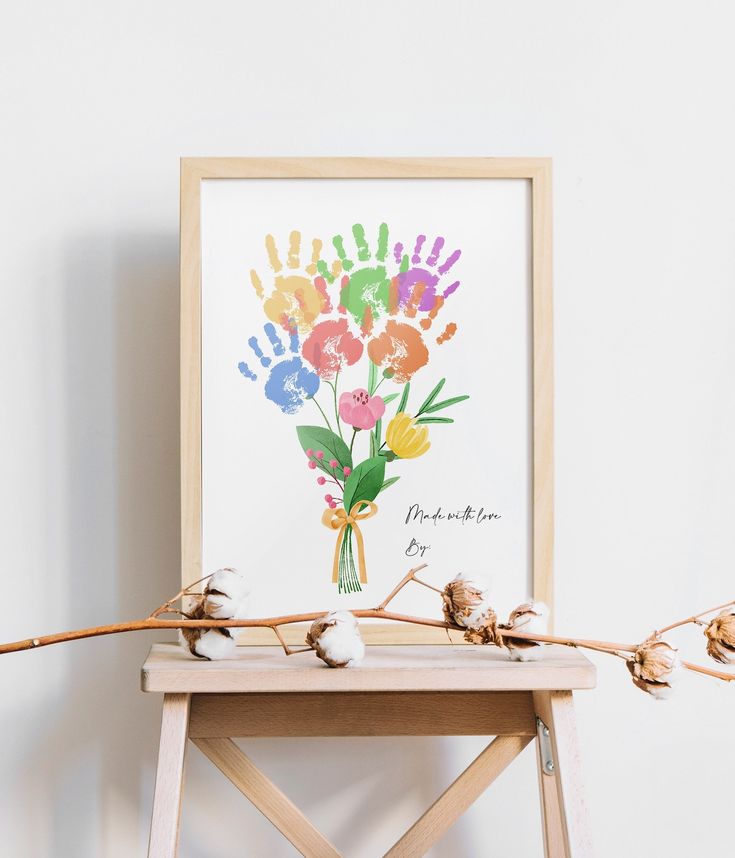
(536, 171)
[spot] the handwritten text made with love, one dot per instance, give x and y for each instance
(418, 515)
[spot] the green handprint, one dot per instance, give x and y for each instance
(365, 289)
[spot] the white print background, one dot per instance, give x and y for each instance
(261, 504)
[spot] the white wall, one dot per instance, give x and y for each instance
(634, 101)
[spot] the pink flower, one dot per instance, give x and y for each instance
(330, 347)
(360, 410)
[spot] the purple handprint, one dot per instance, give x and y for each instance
(420, 279)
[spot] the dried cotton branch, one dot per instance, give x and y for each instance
(466, 608)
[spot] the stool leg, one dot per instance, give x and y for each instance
(566, 809)
(164, 839)
(552, 823)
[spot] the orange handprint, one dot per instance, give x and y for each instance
(400, 350)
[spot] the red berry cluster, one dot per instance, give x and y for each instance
(316, 459)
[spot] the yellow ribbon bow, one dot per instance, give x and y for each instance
(338, 519)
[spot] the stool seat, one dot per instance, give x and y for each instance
(170, 668)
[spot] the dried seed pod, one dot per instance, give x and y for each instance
(210, 644)
(655, 666)
(225, 594)
(223, 599)
(336, 639)
(215, 644)
(530, 617)
(485, 630)
(465, 602)
(720, 634)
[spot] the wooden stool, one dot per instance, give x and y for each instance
(397, 691)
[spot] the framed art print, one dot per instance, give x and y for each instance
(367, 377)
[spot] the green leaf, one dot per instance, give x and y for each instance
(318, 438)
(435, 420)
(365, 482)
(404, 398)
(431, 397)
(390, 397)
(446, 403)
(372, 377)
(378, 433)
(389, 482)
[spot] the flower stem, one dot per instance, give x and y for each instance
(336, 410)
(326, 419)
(354, 435)
(356, 588)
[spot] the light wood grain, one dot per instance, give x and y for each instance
(556, 710)
(543, 387)
(359, 713)
(190, 376)
(536, 170)
(387, 668)
(266, 796)
(164, 835)
(364, 168)
(447, 809)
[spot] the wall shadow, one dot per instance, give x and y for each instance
(120, 328)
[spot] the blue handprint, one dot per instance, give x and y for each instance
(289, 382)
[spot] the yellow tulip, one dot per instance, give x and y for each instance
(405, 438)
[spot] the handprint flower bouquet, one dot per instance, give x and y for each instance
(371, 314)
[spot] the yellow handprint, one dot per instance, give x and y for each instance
(298, 296)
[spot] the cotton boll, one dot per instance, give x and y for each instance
(532, 618)
(188, 637)
(655, 667)
(466, 602)
(336, 639)
(720, 634)
(229, 581)
(215, 644)
(225, 595)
